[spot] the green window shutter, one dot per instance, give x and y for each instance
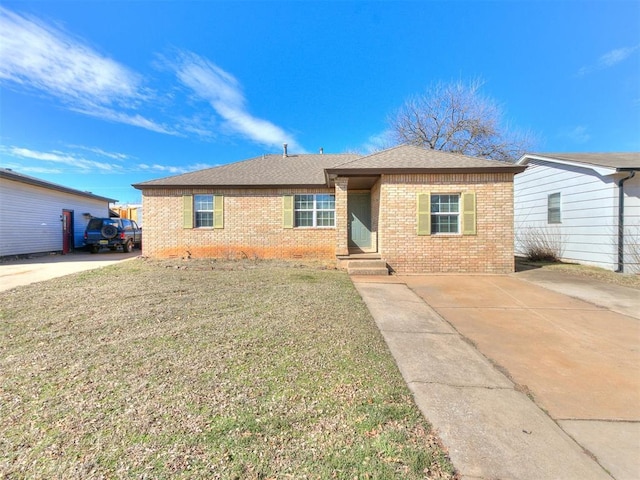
(287, 211)
(187, 211)
(424, 214)
(218, 211)
(469, 213)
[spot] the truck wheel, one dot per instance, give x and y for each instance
(109, 231)
(128, 247)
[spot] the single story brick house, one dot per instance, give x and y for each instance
(418, 210)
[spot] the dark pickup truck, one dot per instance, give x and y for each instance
(112, 233)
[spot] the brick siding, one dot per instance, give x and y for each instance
(489, 251)
(253, 227)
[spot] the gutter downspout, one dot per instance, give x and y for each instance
(632, 174)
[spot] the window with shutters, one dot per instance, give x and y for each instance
(451, 213)
(445, 213)
(203, 210)
(315, 210)
(554, 213)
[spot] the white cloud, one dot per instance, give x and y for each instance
(173, 169)
(578, 134)
(101, 152)
(57, 161)
(40, 57)
(27, 169)
(609, 59)
(377, 142)
(224, 93)
(62, 158)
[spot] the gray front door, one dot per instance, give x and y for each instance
(359, 211)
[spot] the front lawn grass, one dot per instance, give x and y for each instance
(203, 369)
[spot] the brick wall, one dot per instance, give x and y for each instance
(489, 251)
(253, 227)
(342, 227)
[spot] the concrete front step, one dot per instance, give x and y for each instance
(367, 267)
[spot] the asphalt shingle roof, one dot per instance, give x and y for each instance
(267, 170)
(309, 169)
(412, 158)
(612, 160)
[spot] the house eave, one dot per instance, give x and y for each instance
(192, 186)
(9, 175)
(599, 169)
(362, 172)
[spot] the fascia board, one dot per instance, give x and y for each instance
(600, 170)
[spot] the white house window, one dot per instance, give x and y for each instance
(203, 208)
(554, 213)
(445, 213)
(317, 210)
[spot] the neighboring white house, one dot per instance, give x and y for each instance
(588, 204)
(38, 216)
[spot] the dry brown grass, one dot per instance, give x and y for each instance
(626, 280)
(203, 369)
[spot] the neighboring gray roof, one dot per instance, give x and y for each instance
(19, 177)
(265, 171)
(409, 158)
(619, 161)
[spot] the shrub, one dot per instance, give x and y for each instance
(541, 244)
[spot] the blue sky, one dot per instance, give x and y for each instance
(97, 95)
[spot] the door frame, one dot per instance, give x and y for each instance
(67, 231)
(372, 247)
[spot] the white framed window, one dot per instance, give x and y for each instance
(445, 213)
(315, 210)
(203, 210)
(554, 211)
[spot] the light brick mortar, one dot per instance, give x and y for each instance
(253, 227)
(490, 251)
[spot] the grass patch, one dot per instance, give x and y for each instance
(203, 369)
(577, 270)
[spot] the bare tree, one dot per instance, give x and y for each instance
(456, 117)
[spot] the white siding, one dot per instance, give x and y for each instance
(632, 224)
(589, 205)
(30, 217)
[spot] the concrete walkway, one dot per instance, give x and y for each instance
(38, 268)
(474, 350)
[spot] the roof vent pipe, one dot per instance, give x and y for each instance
(284, 150)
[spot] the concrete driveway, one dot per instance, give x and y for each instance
(38, 268)
(578, 360)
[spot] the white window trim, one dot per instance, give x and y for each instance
(314, 211)
(196, 211)
(458, 214)
(558, 208)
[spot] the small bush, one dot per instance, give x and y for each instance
(542, 244)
